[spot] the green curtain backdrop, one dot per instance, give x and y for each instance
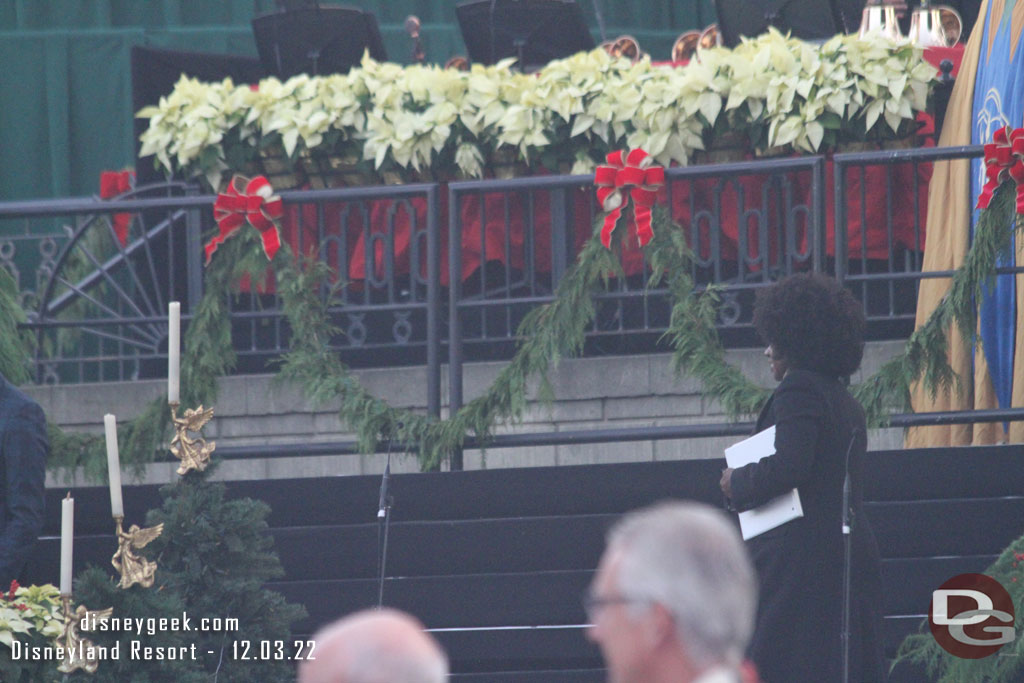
(65, 76)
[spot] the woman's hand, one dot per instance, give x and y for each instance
(726, 482)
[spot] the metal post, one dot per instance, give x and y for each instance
(819, 232)
(559, 235)
(193, 253)
(454, 331)
(433, 304)
(839, 184)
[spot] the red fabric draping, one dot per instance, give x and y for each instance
(478, 245)
(484, 238)
(866, 206)
(954, 54)
(112, 184)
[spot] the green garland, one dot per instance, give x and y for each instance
(556, 330)
(924, 357)
(548, 333)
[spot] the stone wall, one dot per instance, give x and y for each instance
(590, 393)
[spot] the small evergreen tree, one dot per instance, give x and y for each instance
(214, 557)
(218, 555)
(95, 589)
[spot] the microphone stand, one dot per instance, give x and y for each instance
(314, 54)
(490, 25)
(383, 524)
(600, 19)
(412, 27)
(847, 556)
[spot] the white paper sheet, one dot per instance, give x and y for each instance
(775, 512)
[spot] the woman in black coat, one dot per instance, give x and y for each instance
(814, 329)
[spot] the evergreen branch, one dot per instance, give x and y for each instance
(697, 350)
(925, 355)
(15, 345)
(314, 365)
(548, 333)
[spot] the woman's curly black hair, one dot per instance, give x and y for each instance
(813, 323)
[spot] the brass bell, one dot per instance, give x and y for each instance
(711, 37)
(935, 25)
(685, 46)
(457, 62)
(879, 16)
(624, 46)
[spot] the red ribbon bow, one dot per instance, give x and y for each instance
(256, 204)
(637, 173)
(112, 184)
(1004, 158)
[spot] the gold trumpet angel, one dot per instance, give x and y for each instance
(193, 453)
(134, 568)
(79, 652)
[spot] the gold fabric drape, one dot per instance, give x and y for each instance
(948, 229)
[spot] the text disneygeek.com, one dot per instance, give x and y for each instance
(139, 649)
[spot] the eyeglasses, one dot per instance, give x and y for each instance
(593, 604)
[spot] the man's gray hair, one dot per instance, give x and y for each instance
(375, 646)
(385, 665)
(689, 558)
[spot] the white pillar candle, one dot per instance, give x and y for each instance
(113, 466)
(173, 351)
(67, 539)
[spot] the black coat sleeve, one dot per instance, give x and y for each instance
(799, 410)
(24, 449)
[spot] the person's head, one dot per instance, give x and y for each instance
(674, 595)
(811, 322)
(375, 646)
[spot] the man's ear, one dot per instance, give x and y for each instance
(659, 627)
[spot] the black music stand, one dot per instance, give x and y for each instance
(804, 19)
(316, 40)
(533, 31)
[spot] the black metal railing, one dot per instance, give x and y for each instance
(607, 435)
(100, 312)
(879, 218)
(98, 297)
(747, 223)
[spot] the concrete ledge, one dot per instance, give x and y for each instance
(599, 393)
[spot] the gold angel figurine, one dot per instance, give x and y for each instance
(193, 453)
(80, 653)
(134, 568)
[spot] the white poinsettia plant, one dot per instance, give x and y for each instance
(892, 82)
(412, 114)
(788, 93)
(305, 113)
(578, 100)
(31, 616)
(189, 127)
(491, 92)
(679, 109)
(29, 610)
(423, 122)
